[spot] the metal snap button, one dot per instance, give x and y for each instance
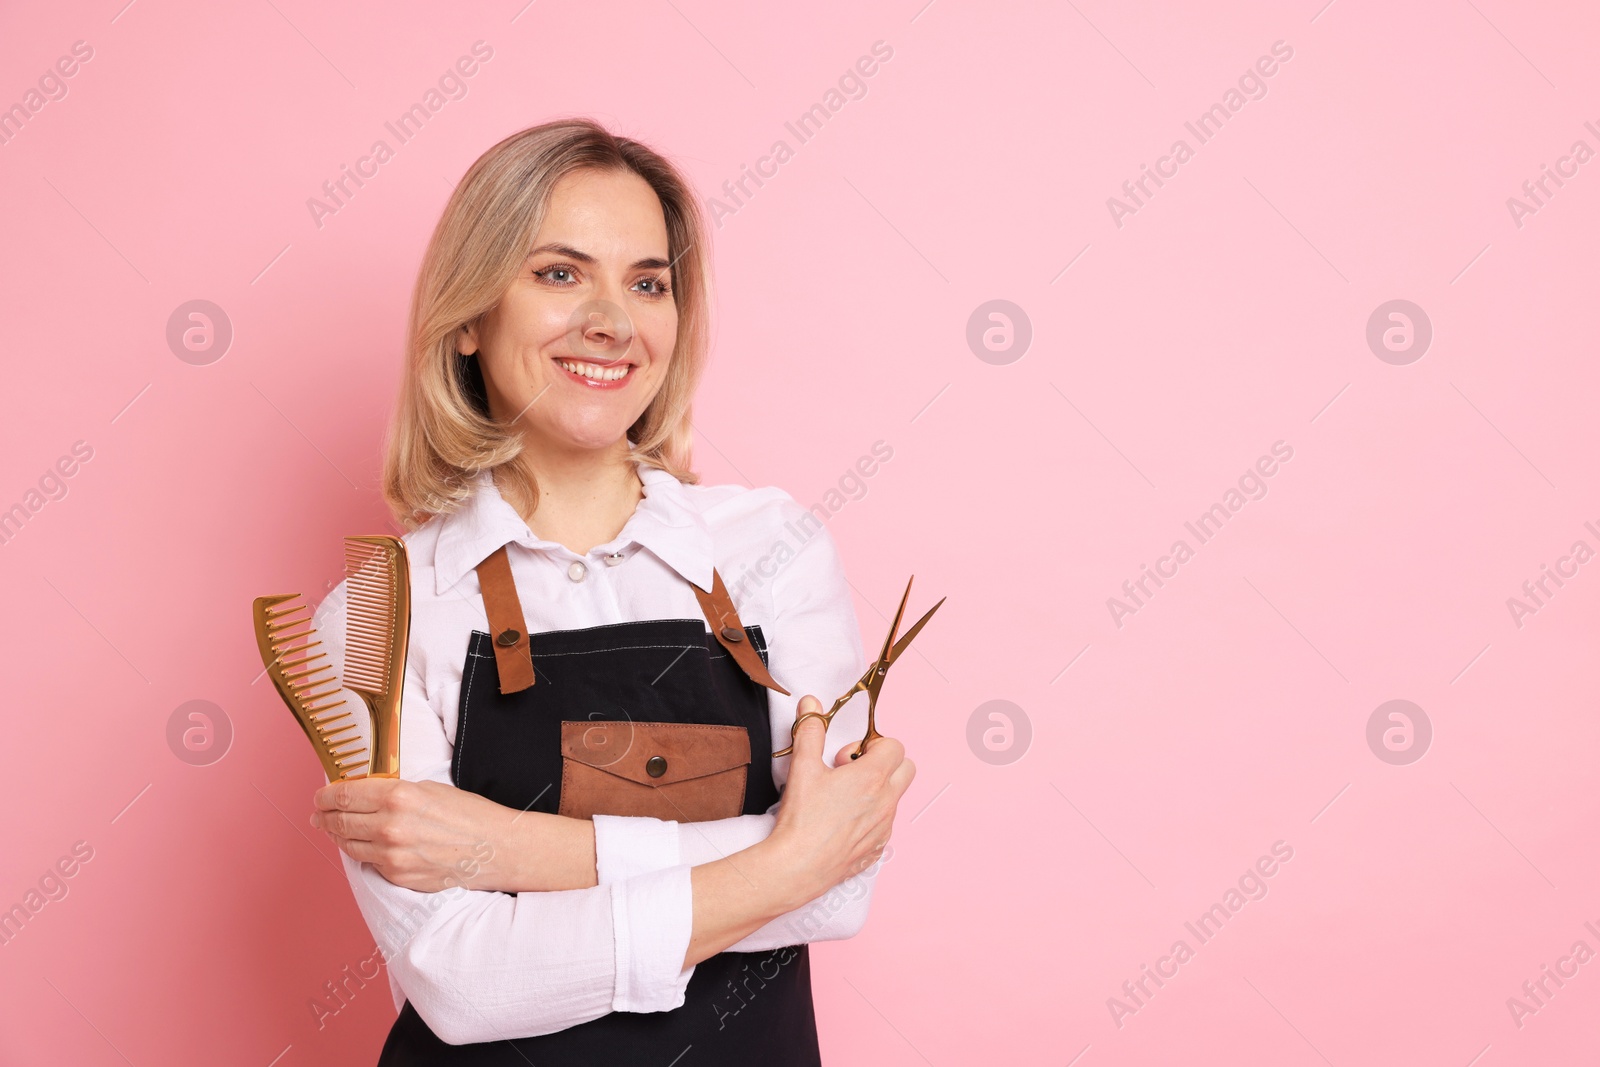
(655, 766)
(733, 633)
(577, 571)
(508, 638)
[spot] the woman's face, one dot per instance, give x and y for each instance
(580, 342)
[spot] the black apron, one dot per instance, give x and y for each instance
(740, 1007)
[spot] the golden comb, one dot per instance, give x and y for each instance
(378, 628)
(311, 689)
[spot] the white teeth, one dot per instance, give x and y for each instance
(599, 374)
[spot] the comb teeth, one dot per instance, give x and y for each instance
(308, 683)
(373, 583)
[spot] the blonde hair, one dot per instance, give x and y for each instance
(442, 435)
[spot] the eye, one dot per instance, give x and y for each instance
(662, 286)
(559, 269)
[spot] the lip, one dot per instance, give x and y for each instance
(597, 362)
(590, 383)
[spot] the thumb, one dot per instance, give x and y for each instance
(808, 738)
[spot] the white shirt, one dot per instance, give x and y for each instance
(486, 966)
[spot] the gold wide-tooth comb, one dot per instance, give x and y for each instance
(378, 627)
(311, 688)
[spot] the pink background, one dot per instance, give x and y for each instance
(1227, 314)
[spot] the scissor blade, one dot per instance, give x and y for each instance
(883, 656)
(900, 645)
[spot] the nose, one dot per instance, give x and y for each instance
(599, 331)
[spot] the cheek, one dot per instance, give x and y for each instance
(660, 334)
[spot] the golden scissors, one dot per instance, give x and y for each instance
(871, 682)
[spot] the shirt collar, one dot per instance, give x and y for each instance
(666, 522)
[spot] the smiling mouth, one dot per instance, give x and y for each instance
(595, 375)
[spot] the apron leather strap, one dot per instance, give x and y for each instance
(507, 625)
(726, 627)
(512, 653)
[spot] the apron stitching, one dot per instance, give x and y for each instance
(714, 655)
(461, 737)
(614, 625)
(619, 648)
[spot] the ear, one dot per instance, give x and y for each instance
(467, 339)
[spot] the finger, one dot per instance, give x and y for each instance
(812, 731)
(359, 794)
(346, 824)
(360, 851)
(901, 778)
(883, 753)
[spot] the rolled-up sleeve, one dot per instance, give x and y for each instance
(814, 647)
(485, 966)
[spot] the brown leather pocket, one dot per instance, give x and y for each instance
(686, 772)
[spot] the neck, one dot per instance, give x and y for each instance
(585, 496)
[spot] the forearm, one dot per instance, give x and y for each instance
(739, 894)
(545, 852)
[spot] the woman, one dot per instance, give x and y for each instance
(539, 458)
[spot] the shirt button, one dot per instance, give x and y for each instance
(613, 559)
(577, 571)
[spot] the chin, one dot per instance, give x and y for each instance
(589, 436)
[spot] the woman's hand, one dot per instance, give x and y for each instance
(834, 822)
(429, 836)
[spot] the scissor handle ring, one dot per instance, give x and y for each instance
(795, 729)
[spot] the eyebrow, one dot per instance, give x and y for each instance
(584, 257)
